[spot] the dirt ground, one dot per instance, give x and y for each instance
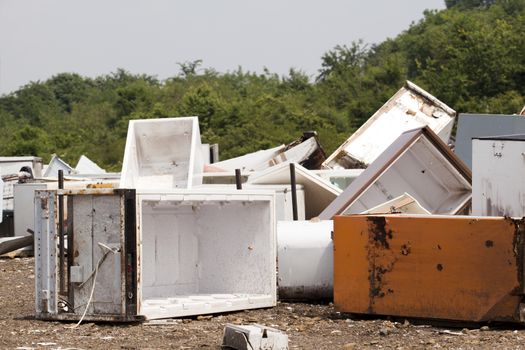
(307, 326)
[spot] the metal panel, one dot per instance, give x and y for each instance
(97, 225)
(56, 164)
(497, 185)
(24, 196)
(283, 198)
(12, 165)
(419, 163)
(101, 253)
(455, 268)
(472, 126)
(411, 107)
(46, 265)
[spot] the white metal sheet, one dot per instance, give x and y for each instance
(498, 185)
(87, 166)
(56, 164)
(249, 162)
(318, 193)
(24, 196)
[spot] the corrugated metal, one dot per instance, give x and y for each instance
(454, 268)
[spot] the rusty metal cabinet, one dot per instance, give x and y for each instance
(440, 267)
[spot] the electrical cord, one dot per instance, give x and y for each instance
(94, 275)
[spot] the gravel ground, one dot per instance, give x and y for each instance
(308, 327)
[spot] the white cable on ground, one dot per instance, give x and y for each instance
(94, 274)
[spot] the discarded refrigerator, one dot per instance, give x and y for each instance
(162, 153)
(134, 256)
(417, 163)
(460, 268)
(409, 108)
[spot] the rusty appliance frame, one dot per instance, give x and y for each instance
(49, 258)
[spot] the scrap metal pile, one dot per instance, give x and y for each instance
(394, 222)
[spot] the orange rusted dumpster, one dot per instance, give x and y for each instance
(459, 268)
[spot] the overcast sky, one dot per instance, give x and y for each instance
(40, 38)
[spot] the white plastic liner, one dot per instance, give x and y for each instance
(206, 252)
(162, 154)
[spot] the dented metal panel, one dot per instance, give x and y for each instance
(411, 107)
(441, 267)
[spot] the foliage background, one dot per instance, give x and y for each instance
(470, 55)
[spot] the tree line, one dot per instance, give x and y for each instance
(469, 55)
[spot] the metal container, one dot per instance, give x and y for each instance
(155, 255)
(411, 107)
(498, 165)
(460, 268)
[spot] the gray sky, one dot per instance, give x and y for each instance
(40, 38)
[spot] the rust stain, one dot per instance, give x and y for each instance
(381, 259)
(380, 234)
